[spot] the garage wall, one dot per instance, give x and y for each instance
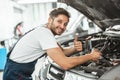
(36, 14)
(12, 13)
(6, 19)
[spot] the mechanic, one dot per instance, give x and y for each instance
(21, 61)
(18, 30)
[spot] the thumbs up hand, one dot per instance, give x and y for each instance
(77, 44)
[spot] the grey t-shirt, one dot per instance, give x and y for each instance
(33, 45)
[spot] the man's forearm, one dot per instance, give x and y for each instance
(69, 51)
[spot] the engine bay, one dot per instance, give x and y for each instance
(109, 47)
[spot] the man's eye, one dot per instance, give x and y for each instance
(65, 24)
(59, 21)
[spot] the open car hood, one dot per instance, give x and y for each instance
(104, 13)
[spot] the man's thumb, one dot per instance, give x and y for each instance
(76, 37)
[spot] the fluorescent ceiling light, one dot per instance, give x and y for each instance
(35, 1)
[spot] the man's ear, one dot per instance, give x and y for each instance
(49, 20)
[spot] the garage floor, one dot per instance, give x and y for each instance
(1, 73)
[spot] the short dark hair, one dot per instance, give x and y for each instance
(57, 11)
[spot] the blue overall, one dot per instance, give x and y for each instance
(18, 71)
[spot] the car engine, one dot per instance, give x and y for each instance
(108, 44)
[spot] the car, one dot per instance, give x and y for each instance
(106, 15)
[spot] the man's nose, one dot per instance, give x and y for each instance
(63, 26)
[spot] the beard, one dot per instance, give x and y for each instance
(54, 29)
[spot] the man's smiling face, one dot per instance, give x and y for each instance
(58, 24)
